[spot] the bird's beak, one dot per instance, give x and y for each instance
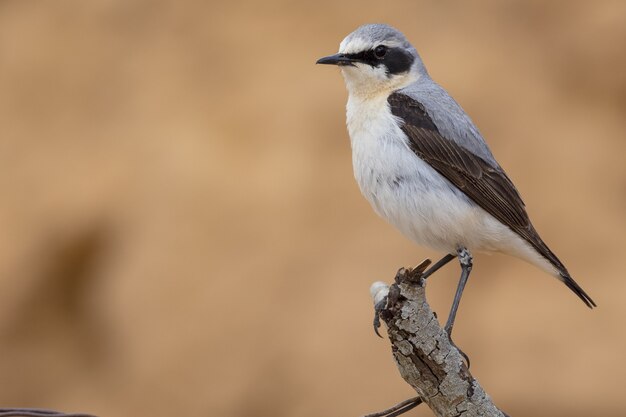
(337, 59)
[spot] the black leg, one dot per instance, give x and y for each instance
(465, 258)
(441, 262)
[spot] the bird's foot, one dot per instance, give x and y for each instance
(378, 309)
(380, 291)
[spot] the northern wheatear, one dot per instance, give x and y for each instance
(423, 165)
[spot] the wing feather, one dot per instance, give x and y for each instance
(483, 182)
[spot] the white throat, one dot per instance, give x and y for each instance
(367, 82)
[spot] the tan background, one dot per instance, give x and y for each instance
(181, 234)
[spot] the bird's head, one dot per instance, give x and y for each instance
(376, 59)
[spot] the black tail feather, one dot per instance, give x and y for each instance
(572, 285)
(532, 237)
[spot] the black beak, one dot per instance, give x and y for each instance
(337, 59)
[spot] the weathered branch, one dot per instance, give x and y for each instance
(425, 355)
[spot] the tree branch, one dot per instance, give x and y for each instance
(425, 355)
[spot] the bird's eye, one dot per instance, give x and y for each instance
(380, 51)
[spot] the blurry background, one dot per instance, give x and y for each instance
(182, 235)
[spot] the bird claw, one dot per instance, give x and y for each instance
(378, 309)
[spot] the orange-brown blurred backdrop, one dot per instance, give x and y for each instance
(182, 235)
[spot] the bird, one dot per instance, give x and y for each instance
(423, 165)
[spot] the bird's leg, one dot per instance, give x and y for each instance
(466, 264)
(441, 262)
(465, 258)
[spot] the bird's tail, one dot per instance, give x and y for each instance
(572, 285)
(532, 237)
(561, 272)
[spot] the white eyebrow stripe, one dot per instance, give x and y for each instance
(352, 46)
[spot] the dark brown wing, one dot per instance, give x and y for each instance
(485, 184)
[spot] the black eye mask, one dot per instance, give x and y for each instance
(395, 60)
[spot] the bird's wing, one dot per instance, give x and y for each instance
(484, 183)
(487, 185)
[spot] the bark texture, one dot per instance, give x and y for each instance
(425, 355)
